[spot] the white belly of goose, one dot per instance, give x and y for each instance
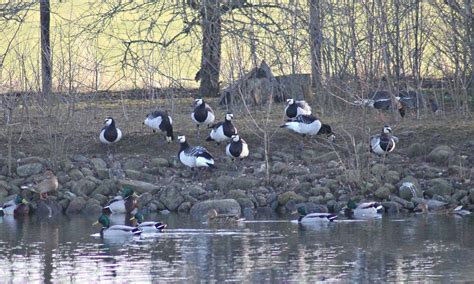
(189, 161)
(218, 134)
(153, 122)
(105, 141)
(203, 162)
(303, 128)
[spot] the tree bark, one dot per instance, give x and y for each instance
(211, 48)
(470, 42)
(46, 66)
(316, 39)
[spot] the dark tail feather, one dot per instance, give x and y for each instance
(283, 126)
(211, 166)
(209, 138)
(332, 217)
(137, 232)
(160, 226)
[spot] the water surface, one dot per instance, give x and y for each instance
(400, 248)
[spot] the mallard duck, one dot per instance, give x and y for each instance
(306, 218)
(439, 207)
(365, 210)
(147, 227)
(16, 207)
(115, 230)
(47, 184)
(124, 203)
(215, 218)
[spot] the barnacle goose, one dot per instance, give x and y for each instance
(384, 142)
(110, 133)
(237, 148)
(194, 157)
(295, 108)
(160, 120)
(309, 125)
(202, 114)
(222, 131)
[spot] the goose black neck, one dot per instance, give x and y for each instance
(325, 129)
(183, 146)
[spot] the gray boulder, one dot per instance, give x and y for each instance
(98, 163)
(439, 186)
(223, 206)
(76, 205)
(92, 207)
(29, 169)
(83, 187)
(133, 164)
(171, 198)
(441, 155)
(140, 186)
(160, 162)
(48, 208)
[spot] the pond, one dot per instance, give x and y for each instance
(268, 249)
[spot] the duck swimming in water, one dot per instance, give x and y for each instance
(16, 207)
(124, 203)
(306, 218)
(213, 217)
(115, 230)
(148, 226)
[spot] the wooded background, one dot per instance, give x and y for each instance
(350, 47)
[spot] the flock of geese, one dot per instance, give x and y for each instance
(300, 120)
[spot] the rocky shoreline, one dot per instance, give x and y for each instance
(325, 185)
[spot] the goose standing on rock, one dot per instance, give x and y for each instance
(295, 108)
(160, 120)
(16, 207)
(384, 142)
(202, 114)
(309, 125)
(194, 157)
(48, 183)
(237, 148)
(222, 131)
(110, 133)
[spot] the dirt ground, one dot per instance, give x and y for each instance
(74, 128)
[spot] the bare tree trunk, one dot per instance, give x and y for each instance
(46, 66)
(211, 48)
(470, 42)
(316, 39)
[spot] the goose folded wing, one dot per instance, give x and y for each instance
(306, 119)
(199, 151)
(216, 125)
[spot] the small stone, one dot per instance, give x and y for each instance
(87, 171)
(160, 162)
(392, 177)
(279, 167)
(98, 163)
(223, 206)
(408, 190)
(79, 158)
(145, 198)
(416, 150)
(171, 198)
(133, 164)
(92, 207)
(76, 174)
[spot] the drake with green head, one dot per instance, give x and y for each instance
(17, 207)
(306, 218)
(115, 230)
(124, 203)
(148, 226)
